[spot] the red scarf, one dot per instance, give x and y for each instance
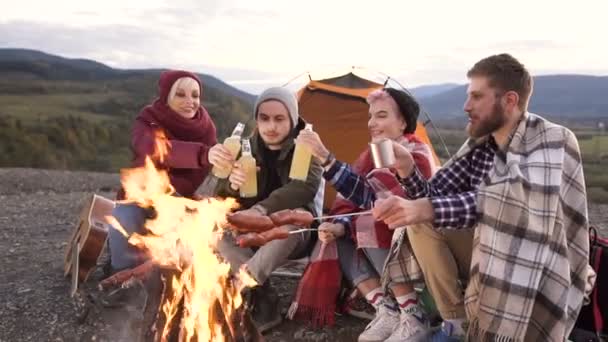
(315, 300)
(200, 129)
(176, 126)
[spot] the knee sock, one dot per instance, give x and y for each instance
(375, 297)
(408, 303)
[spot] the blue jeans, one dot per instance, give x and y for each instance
(132, 218)
(359, 267)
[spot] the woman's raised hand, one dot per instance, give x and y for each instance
(313, 140)
(220, 156)
(404, 162)
(328, 231)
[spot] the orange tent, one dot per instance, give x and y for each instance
(339, 113)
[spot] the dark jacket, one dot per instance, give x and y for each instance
(291, 194)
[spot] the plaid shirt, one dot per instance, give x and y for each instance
(453, 189)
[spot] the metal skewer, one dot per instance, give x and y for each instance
(303, 230)
(328, 217)
(320, 218)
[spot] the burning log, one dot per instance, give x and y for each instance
(237, 326)
(158, 325)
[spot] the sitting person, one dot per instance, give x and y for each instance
(362, 243)
(518, 183)
(179, 115)
(272, 145)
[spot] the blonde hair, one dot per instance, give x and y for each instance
(182, 82)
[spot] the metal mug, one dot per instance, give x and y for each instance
(382, 153)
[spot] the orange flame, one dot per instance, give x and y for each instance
(181, 236)
(161, 145)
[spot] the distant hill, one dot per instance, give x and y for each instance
(560, 97)
(66, 113)
(38, 64)
(431, 90)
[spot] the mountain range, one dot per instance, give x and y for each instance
(564, 98)
(58, 112)
(427, 91)
(40, 65)
(568, 96)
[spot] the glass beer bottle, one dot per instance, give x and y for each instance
(247, 161)
(233, 144)
(301, 160)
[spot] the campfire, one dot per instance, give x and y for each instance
(200, 298)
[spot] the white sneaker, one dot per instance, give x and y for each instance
(381, 327)
(410, 329)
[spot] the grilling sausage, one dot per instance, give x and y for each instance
(296, 217)
(244, 222)
(250, 240)
(260, 239)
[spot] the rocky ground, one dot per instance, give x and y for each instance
(38, 210)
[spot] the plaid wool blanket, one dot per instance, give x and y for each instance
(530, 270)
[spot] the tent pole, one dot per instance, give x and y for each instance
(295, 78)
(445, 147)
(428, 116)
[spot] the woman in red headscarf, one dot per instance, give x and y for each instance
(177, 113)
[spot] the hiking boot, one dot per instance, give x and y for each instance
(357, 306)
(411, 328)
(264, 307)
(382, 326)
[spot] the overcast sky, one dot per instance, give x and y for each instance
(252, 44)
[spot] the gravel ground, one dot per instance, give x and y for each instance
(38, 210)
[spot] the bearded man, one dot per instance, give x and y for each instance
(506, 216)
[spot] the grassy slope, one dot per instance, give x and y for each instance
(85, 124)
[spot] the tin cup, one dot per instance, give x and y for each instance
(382, 153)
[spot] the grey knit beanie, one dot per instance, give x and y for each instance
(282, 95)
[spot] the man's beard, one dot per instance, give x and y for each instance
(489, 125)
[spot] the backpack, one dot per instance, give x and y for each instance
(593, 317)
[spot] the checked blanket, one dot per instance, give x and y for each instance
(530, 270)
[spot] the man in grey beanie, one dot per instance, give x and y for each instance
(272, 144)
(282, 95)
